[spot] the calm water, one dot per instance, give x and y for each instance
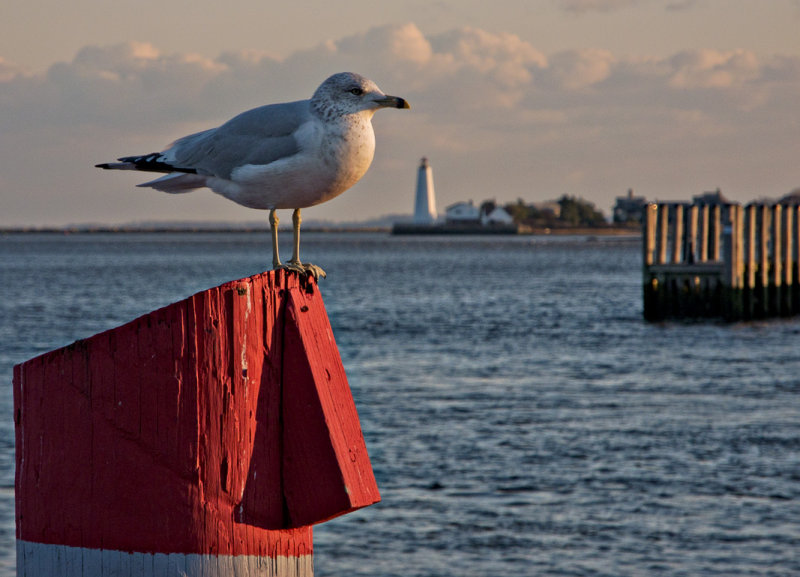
(521, 417)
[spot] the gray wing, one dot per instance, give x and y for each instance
(258, 136)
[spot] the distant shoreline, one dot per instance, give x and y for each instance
(187, 229)
(599, 231)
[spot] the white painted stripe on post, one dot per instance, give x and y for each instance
(41, 560)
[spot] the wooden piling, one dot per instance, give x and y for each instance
(726, 261)
(704, 232)
(677, 234)
(763, 261)
(691, 232)
(649, 235)
(663, 232)
(712, 241)
(649, 238)
(733, 259)
(795, 293)
(204, 438)
(787, 265)
(751, 224)
(776, 261)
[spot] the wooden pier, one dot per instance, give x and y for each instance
(721, 260)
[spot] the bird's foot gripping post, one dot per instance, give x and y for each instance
(294, 265)
(204, 438)
(305, 269)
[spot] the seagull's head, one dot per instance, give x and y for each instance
(348, 93)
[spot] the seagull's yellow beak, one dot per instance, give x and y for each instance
(392, 102)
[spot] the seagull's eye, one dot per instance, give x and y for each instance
(356, 91)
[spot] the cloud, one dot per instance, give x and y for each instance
(578, 69)
(496, 116)
(130, 84)
(680, 5)
(134, 84)
(584, 6)
(714, 69)
(9, 71)
(453, 73)
(607, 6)
(404, 45)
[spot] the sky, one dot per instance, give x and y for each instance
(511, 99)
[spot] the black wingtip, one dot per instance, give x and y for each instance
(104, 166)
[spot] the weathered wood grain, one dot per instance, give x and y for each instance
(211, 433)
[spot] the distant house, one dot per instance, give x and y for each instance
(497, 216)
(488, 215)
(462, 213)
(710, 197)
(628, 209)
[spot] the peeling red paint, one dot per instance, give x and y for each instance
(222, 424)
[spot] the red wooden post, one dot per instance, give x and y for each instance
(204, 438)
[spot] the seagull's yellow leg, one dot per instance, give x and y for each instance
(296, 220)
(273, 225)
(295, 264)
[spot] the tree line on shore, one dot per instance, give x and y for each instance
(567, 211)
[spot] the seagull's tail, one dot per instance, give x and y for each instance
(117, 166)
(177, 179)
(176, 182)
(155, 162)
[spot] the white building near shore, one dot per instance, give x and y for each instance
(497, 216)
(463, 213)
(486, 215)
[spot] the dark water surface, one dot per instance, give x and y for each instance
(521, 417)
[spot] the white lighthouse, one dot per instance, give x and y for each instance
(425, 201)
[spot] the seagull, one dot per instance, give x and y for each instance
(279, 156)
